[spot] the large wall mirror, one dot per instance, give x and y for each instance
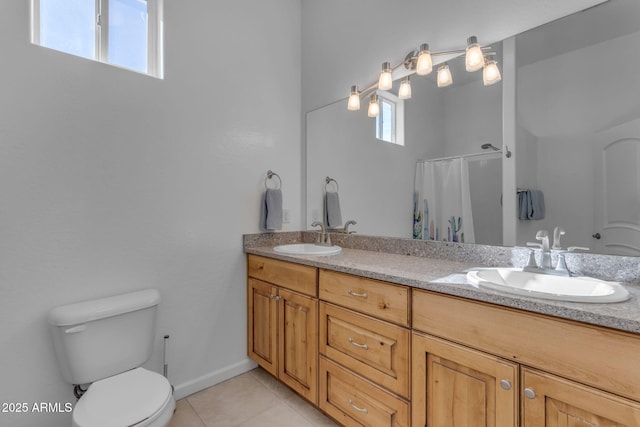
(577, 140)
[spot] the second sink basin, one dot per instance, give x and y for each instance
(307, 249)
(562, 288)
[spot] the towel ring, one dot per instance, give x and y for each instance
(328, 181)
(270, 175)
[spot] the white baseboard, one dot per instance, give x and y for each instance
(213, 378)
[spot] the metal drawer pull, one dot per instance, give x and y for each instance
(366, 347)
(363, 410)
(355, 294)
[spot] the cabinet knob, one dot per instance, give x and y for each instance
(505, 384)
(275, 297)
(529, 393)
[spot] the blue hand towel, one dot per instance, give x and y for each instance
(531, 205)
(536, 210)
(523, 205)
(332, 209)
(272, 209)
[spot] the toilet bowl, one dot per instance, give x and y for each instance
(104, 342)
(134, 398)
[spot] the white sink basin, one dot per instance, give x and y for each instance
(575, 289)
(307, 249)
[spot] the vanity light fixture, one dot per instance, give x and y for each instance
(421, 62)
(491, 72)
(444, 76)
(374, 106)
(405, 88)
(354, 99)
(386, 80)
(424, 63)
(474, 58)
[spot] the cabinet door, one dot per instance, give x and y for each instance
(549, 401)
(261, 324)
(454, 386)
(298, 343)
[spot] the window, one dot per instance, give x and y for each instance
(126, 33)
(390, 121)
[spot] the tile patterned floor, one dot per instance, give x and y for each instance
(253, 399)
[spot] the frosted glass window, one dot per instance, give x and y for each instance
(69, 26)
(390, 121)
(126, 33)
(128, 28)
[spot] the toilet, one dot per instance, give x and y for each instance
(103, 343)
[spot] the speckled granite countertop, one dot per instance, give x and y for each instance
(447, 276)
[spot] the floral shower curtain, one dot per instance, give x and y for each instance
(442, 201)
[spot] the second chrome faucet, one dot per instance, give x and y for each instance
(545, 265)
(324, 238)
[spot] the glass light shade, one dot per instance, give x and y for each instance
(491, 73)
(405, 88)
(424, 64)
(354, 99)
(386, 80)
(444, 76)
(474, 59)
(374, 106)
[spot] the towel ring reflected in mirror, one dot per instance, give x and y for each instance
(270, 176)
(328, 181)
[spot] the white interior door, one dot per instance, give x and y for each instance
(617, 168)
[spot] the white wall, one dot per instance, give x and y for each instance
(112, 181)
(473, 116)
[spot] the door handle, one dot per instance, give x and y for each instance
(596, 236)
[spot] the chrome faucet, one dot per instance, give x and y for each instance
(543, 236)
(557, 232)
(345, 229)
(323, 238)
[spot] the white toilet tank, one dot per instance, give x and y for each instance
(99, 338)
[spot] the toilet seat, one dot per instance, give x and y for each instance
(134, 398)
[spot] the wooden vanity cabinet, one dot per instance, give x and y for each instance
(571, 374)
(372, 353)
(282, 326)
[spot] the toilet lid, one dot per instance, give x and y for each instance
(122, 400)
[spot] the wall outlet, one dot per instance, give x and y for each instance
(285, 216)
(315, 215)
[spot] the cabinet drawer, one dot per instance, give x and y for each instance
(354, 401)
(372, 348)
(591, 355)
(379, 299)
(300, 278)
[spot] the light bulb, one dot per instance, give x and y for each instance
(491, 73)
(374, 107)
(405, 88)
(354, 99)
(444, 76)
(424, 64)
(474, 59)
(386, 80)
